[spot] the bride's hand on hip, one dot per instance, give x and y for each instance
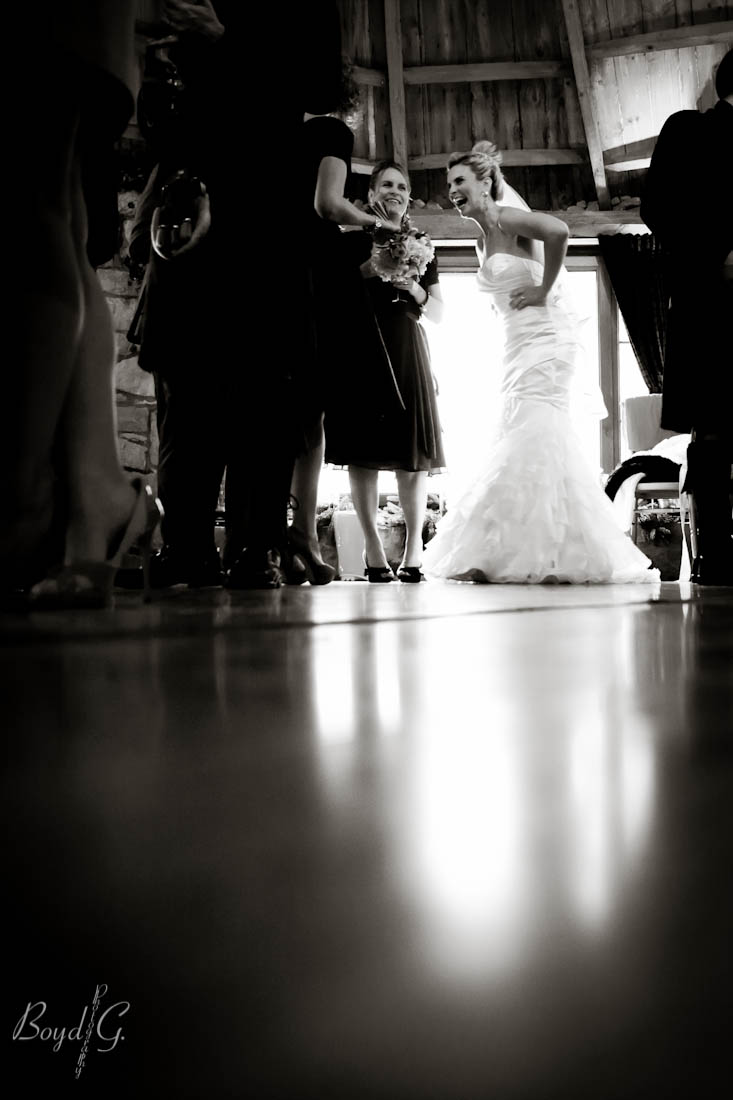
(527, 296)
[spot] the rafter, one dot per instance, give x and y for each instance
(514, 158)
(373, 77)
(449, 225)
(484, 71)
(395, 79)
(627, 158)
(582, 83)
(673, 38)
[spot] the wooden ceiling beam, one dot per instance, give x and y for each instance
(449, 225)
(512, 158)
(395, 79)
(373, 77)
(628, 158)
(484, 71)
(673, 38)
(629, 164)
(576, 43)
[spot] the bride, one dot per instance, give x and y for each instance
(535, 512)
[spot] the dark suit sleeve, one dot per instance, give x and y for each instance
(666, 180)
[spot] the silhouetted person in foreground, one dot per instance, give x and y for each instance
(687, 205)
(70, 511)
(226, 321)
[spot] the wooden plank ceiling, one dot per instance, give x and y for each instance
(574, 92)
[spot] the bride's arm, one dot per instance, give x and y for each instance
(540, 227)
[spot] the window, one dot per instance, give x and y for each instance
(467, 350)
(630, 381)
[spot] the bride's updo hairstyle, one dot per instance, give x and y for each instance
(484, 160)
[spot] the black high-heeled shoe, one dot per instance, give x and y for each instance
(292, 565)
(317, 572)
(256, 569)
(410, 574)
(377, 574)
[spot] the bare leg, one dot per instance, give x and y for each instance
(304, 488)
(48, 320)
(100, 495)
(64, 409)
(364, 493)
(413, 493)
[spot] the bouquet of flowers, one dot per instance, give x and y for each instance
(399, 253)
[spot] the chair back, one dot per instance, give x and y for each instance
(641, 418)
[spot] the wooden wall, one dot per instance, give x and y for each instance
(630, 94)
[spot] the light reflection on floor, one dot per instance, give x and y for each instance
(364, 824)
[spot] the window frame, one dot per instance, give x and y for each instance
(582, 255)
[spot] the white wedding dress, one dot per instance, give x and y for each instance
(535, 511)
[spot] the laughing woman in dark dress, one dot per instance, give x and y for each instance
(392, 422)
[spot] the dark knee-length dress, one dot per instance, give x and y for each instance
(336, 304)
(386, 416)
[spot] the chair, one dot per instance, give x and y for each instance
(641, 418)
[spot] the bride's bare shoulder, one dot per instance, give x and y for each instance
(507, 216)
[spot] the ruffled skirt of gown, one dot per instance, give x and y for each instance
(535, 512)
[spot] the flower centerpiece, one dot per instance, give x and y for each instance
(659, 535)
(399, 252)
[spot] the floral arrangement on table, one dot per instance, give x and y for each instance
(660, 537)
(660, 527)
(399, 253)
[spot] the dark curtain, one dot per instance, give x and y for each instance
(636, 268)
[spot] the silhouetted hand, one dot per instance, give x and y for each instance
(188, 232)
(194, 18)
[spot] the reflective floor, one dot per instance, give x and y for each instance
(432, 842)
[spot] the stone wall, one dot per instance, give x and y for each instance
(135, 396)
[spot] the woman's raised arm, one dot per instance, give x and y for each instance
(539, 227)
(330, 202)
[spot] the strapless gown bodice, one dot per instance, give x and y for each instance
(541, 343)
(502, 272)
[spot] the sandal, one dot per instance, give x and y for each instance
(410, 574)
(378, 574)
